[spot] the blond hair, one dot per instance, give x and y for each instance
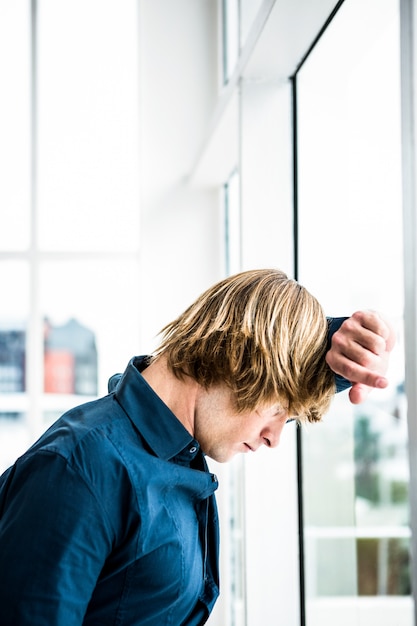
(260, 333)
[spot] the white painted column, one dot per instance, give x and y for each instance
(409, 119)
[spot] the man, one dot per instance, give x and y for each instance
(110, 518)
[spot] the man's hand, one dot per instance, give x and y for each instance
(360, 353)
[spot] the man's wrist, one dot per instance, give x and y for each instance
(334, 323)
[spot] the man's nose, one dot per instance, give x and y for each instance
(272, 435)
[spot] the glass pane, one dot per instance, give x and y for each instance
(232, 500)
(230, 37)
(355, 464)
(14, 285)
(232, 224)
(15, 124)
(328, 492)
(88, 125)
(91, 310)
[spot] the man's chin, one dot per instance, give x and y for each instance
(222, 457)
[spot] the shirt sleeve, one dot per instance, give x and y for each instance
(54, 539)
(334, 323)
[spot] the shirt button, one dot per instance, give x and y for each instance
(192, 450)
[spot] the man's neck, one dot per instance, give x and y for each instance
(178, 394)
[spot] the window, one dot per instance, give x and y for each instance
(355, 478)
(231, 46)
(69, 254)
(232, 224)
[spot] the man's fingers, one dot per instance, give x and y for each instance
(358, 374)
(361, 347)
(371, 320)
(376, 325)
(360, 366)
(354, 339)
(358, 393)
(360, 352)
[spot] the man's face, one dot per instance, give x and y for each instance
(222, 432)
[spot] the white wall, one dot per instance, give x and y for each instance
(180, 237)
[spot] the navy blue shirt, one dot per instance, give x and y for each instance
(110, 518)
(334, 323)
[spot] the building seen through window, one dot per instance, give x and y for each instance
(12, 359)
(70, 359)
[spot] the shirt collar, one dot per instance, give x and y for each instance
(157, 424)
